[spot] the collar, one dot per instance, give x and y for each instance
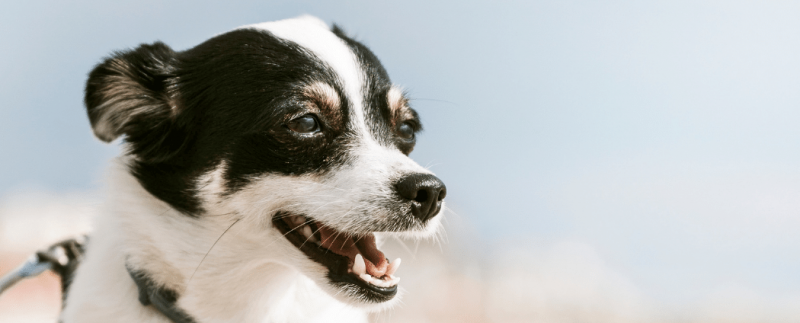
(162, 299)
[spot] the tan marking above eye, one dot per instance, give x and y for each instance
(397, 100)
(324, 94)
(398, 105)
(327, 101)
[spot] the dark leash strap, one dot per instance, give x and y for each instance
(63, 259)
(162, 299)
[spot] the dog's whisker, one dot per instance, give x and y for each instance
(433, 100)
(208, 155)
(334, 239)
(403, 244)
(297, 227)
(309, 238)
(208, 252)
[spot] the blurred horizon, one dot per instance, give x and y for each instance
(640, 154)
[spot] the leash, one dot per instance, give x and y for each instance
(162, 299)
(62, 258)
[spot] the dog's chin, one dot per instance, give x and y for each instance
(357, 272)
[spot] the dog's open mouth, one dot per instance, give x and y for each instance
(351, 260)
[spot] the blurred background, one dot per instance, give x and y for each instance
(616, 161)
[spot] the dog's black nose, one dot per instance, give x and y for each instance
(426, 193)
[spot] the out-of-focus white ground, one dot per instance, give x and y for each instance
(449, 281)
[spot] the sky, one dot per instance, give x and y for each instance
(663, 136)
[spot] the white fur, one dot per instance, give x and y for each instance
(243, 279)
(253, 273)
(314, 35)
(336, 201)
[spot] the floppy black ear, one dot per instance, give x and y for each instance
(129, 94)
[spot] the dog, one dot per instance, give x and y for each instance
(260, 169)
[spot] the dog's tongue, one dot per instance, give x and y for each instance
(340, 244)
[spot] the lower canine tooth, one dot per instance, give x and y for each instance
(366, 278)
(298, 220)
(380, 282)
(359, 267)
(393, 267)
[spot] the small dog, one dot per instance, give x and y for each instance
(259, 167)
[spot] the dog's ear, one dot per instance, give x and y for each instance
(129, 94)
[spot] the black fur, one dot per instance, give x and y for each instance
(227, 99)
(161, 298)
(379, 116)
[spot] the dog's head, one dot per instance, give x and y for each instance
(290, 126)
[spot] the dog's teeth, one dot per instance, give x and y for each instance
(392, 281)
(311, 237)
(393, 267)
(307, 232)
(298, 219)
(366, 278)
(359, 266)
(372, 280)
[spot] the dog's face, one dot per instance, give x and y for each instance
(291, 127)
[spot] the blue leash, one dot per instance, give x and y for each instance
(62, 258)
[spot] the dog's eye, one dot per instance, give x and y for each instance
(305, 124)
(406, 130)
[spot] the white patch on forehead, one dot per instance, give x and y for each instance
(315, 36)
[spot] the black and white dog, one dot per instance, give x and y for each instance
(282, 145)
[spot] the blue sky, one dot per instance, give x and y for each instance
(665, 135)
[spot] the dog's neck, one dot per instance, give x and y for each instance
(231, 282)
